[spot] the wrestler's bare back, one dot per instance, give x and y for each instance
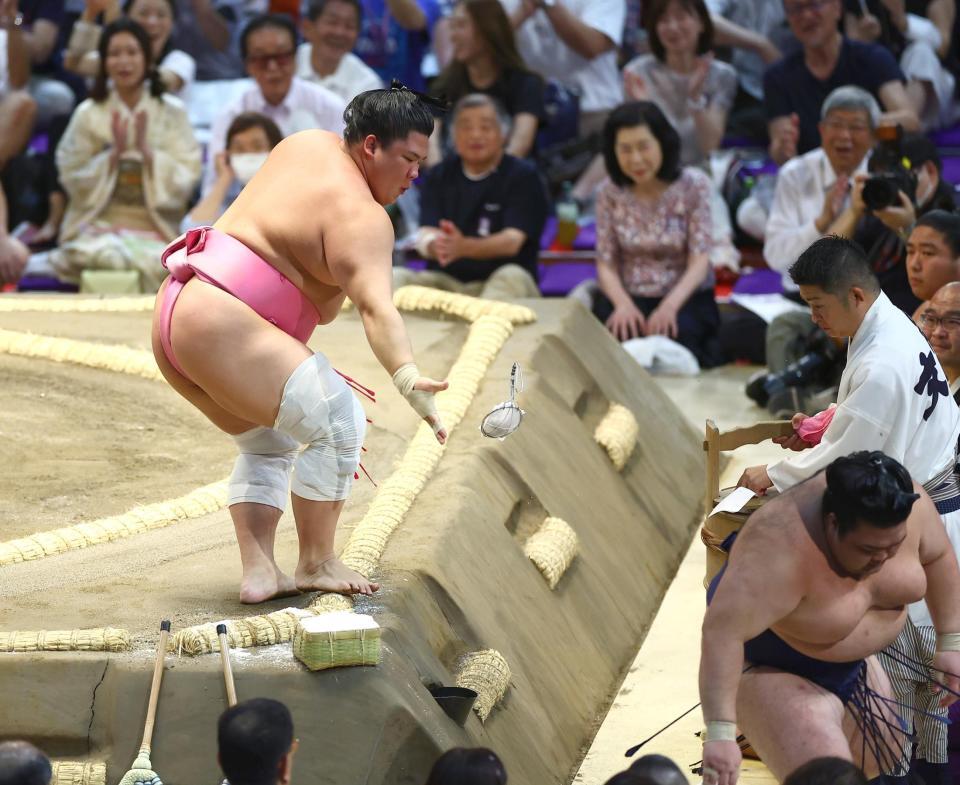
(838, 618)
(301, 203)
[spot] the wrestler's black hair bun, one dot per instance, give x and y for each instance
(869, 486)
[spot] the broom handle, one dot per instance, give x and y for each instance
(155, 686)
(227, 668)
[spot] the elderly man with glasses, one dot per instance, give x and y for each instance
(795, 87)
(268, 46)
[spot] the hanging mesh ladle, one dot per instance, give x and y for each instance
(505, 418)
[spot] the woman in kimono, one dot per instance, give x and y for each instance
(128, 162)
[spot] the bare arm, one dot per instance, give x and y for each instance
(728, 34)
(408, 13)
(360, 257)
(523, 134)
(708, 123)
(897, 107)
(213, 26)
(18, 55)
(761, 587)
(586, 41)
(41, 39)
(942, 14)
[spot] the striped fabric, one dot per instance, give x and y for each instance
(944, 489)
(914, 692)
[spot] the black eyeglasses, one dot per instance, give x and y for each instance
(281, 59)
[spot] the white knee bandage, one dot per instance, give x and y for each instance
(262, 471)
(319, 410)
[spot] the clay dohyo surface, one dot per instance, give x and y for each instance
(455, 576)
(81, 444)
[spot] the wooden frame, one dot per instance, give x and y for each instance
(716, 442)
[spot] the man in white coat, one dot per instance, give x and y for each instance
(893, 397)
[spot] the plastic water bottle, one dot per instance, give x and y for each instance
(568, 213)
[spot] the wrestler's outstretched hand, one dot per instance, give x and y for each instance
(946, 665)
(423, 384)
(721, 762)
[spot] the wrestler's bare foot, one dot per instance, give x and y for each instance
(332, 575)
(266, 583)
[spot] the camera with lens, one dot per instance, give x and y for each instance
(817, 368)
(890, 171)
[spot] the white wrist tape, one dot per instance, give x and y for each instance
(948, 641)
(422, 402)
(721, 731)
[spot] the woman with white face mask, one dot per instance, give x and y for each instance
(250, 138)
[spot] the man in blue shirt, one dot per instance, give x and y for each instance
(794, 88)
(394, 37)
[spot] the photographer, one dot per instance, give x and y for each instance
(799, 360)
(888, 203)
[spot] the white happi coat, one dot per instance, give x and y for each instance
(893, 397)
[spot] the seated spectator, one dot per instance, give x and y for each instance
(794, 88)
(486, 60)
(482, 211)
(463, 766)
(255, 743)
(331, 28)
(813, 191)
(207, 31)
(883, 233)
(693, 91)
(681, 76)
(13, 253)
(395, 37)
(39, 25)
(250, 138)
(933, 253)
(268, 45)
(128, 161)
(828, 771)
(177, 69)
(654, 237)
(23, 764)
(758, 33)
(917, 44)
(659, 770)
(574, 43)
(940, 324)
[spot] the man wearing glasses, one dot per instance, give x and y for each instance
(795, 87)
(940, 324)
(268, 46)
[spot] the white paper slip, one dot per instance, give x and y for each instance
(767, 306)
(734, 502)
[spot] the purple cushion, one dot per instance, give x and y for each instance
(586, 239)
(42, 283)
(951, 170)
(953, 734)
(759, 282)
(947, 137)
(556, 280)
(416, 264)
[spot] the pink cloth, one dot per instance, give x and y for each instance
(225, 262)
(811, 430)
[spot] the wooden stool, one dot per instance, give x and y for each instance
(720, 526)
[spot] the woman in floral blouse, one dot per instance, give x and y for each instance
(654, 237)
